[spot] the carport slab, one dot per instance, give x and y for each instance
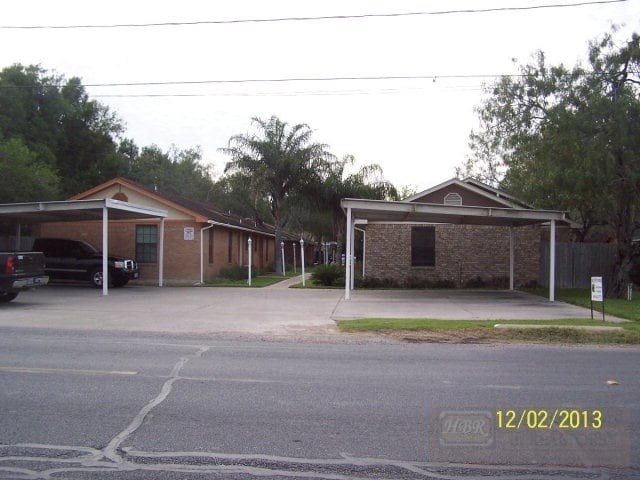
(455, 305)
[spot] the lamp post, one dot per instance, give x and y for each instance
(284, 274)
(302, 258)
(249, 242)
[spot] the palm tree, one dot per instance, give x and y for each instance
(367, 182)
(280, 161)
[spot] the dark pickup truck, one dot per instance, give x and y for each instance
(20, 271)
(69, 259)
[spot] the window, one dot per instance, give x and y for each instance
(423, 246)
(146, 243)
(230, 248)
(453, 199)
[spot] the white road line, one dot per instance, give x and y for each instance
(78, 371)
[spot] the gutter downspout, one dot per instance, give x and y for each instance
(211, 225)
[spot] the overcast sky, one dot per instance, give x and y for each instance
(416, 129)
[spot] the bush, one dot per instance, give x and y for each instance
(237, 272)
(441, 283)
(415, 282)
(327, 275)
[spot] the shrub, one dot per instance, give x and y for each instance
(415, 282)
(327, 275)
(476, 282)
(442, 283)
(237, 272)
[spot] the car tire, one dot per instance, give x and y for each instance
(7, 296)
(96, 277)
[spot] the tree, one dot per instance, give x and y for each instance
(60, 125)
(340, 181)
(568, 139)
(23, 175)
(176, 171)
(279, 161)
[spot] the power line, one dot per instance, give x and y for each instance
(431, 77)
(325, 17)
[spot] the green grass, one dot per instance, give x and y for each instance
(257, 282)
(484, 331)
(612, 306)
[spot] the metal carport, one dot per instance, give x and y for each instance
(82, 210)
(360, 211)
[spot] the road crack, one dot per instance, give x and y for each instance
(112, 450)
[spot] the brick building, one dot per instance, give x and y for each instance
(198, 239)
(472, 234)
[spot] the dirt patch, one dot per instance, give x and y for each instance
(465, 335)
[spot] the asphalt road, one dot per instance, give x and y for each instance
(84, 405)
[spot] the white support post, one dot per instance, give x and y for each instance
(249, 250)
(352, 257)
(511, 258)
(347, 276)
(105, 251)
(302, 259)
(161, 254)
(552, 262)
(364, 252)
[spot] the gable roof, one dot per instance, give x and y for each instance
(476, 188)
(200, 211)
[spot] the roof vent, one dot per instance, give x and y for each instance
(453, 199)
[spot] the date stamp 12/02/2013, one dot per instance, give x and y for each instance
(581, 437)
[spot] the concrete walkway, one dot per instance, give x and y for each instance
(275, 310)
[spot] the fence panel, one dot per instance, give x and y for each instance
(576, 263)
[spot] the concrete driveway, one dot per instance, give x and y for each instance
(275, 310)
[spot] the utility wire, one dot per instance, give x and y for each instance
(433, 78)
(326, 17)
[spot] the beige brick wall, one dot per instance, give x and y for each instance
(463, 252)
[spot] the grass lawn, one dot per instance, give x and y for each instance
(612, 306)
(480, 331)
(433, 330)
(256, 282)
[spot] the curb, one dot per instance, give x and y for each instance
(505, 326)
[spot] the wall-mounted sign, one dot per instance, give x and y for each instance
(189, 233)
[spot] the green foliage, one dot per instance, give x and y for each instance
(24, 175)
(280, 162)
(237, 272)
(59, 142)
(567, 139)
(328, 275)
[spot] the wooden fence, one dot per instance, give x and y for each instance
(576, 263)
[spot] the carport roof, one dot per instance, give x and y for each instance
(75, 210)
(412, 212)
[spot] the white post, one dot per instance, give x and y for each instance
(552, 262)
(511, 257)
(302, 259)
(347, 276)
(161, 255)
(364, 252)
(105, 251)
(284, 274)
(249, 242)
(352, 257)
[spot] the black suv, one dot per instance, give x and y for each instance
(77, 260)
